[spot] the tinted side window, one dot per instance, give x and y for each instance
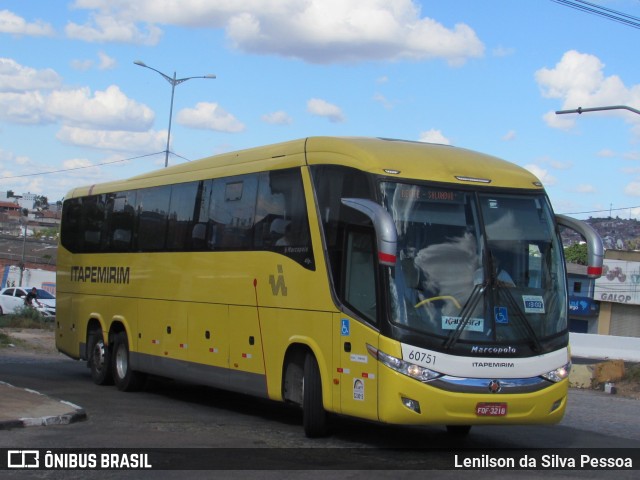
(152, 207)
(121, 216)
(232, 212)
(281, 216)
(332, 184)
(94, 226)
(71, 229)
(181, 227)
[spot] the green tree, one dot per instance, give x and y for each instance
(41, 202)
(576, 253)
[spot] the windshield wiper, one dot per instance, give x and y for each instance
(524, 323)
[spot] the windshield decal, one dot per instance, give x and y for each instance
(472, 325)
(501, 315)
(533, 304)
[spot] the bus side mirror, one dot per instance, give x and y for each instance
(384, 226)
(595, 248)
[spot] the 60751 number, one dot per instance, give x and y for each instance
(422, 357)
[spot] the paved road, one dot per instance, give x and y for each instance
(168, 415)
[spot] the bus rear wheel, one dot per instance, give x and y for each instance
(126, 379)
(314, 416)
(99, 360)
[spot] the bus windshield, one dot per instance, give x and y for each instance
(475, 267)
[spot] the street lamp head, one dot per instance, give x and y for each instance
(173, 82)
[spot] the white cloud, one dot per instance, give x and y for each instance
(543, 175)
(578, 80)
(24, 108)
(606, 153)
(501, 51)
(634, 156)
(210, 116)
(115, 140)
(82, 65)
(106, 28)
(110, 109)
(585, 188)
(434, 136)
(381, 99)
(106, 62)
(76, 163)
(633, 189)
(322, 108)
(558, 165)
(18, 78)
(277, 118)
(13, 24)
(562, 122)
(317, 31)
(510, 135)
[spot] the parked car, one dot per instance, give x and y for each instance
(12, 299)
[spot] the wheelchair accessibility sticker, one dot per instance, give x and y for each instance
(500, 314)
(345, 330)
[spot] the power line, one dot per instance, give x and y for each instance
(607, 13)
(600, 211)
(80, 168)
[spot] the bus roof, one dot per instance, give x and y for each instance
(397, 158)
(419, 160)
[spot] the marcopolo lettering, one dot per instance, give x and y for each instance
(100, 274)
(493, 350)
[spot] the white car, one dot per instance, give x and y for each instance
(12, 299)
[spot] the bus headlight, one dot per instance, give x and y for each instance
(558, 374)
(409, 369)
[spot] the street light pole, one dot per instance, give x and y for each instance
(173, 82)
(581, 110)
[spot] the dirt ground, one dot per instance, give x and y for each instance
(29, 342)
(37, 342)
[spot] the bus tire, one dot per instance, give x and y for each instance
(99, 361)
(314, 416)
(126, 379)
(458, 430)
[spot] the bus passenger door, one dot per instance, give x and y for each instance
(357, 370)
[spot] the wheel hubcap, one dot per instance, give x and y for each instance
(121, 362)
(98, 355)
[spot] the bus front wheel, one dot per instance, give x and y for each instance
(126, 379)
(99, 359)
(314, 416)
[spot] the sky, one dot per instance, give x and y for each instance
(484, 75)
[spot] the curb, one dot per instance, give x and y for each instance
(23, 407)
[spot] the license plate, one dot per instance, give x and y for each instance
(491, 409)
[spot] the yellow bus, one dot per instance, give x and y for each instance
(395, 281)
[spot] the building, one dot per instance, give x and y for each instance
(583, 310)
(618, 292)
